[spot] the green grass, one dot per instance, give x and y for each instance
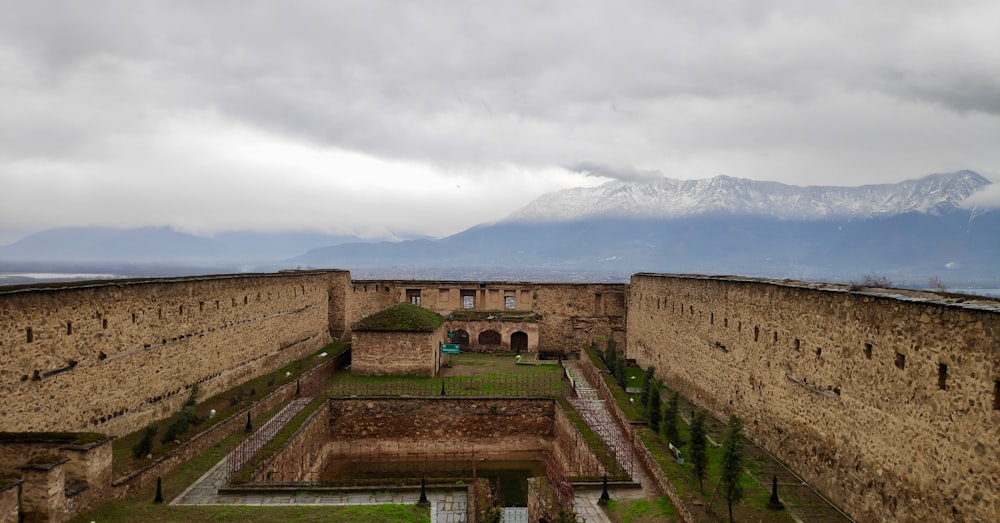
(643, 510)
(402, 317)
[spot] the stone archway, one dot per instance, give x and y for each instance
(519, 342)
(461, 337)
(490, 337)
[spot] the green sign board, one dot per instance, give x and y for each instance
(450, 348)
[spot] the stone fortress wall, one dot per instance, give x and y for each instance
(888, 403)
(113, 357)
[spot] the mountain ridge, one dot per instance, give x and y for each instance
(669, 198)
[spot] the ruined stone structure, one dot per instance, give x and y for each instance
(568, 315)
(889, 404)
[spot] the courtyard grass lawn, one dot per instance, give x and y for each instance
(659, 510)
(469, 375)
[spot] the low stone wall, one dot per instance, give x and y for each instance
(302, 456)
(437, 418)
(571, 450)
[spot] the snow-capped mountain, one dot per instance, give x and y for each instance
(668, 198)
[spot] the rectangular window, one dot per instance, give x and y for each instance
(468, 302)
(30, 334)
(942, 376)
(509, 303)
(69, 327)
(868, 350)
(900, 360)
(413, 296)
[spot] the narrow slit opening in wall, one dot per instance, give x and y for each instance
(819, 352)
(29, 334)
(711, 319)
(133, 317)
(104, 323)
(796, 344)
(180, 310)
(868, 350)
(756, 333)
(942, 376)
(900, 360)
(69, 327)
(775, 336)
(996, 395)
(725, 323)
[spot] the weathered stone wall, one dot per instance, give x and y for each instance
(112, 357)
(376, 353)
(571, 451)
(571, 315)
(301, 458)
(440, 418)
(888, 404)
(505, 329)
(10, 506)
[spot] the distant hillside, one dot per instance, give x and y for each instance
(910, 231)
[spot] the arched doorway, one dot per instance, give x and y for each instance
(461, 337)
(519, 342)
(489, 337)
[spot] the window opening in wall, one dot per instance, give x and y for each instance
(509, 303)
(739, 326)
(201, 306)
(413, 296)
(868, 350)
(756, 333)
(942, 376)
(246, 300)
(796, 344)
(378, 287)
(725, 323)
(216, 304)
(996, 395)
(900, 360)
(69, 327)
(30, 334)
(711, 319)
(133, 317)
(366, 288)
(692, 310)
(159, 313)
(775, 336)
(468, 299)
(598, 304)
(819, 351)
(180, 310)
(104, 323)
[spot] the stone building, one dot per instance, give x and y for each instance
(403, 339)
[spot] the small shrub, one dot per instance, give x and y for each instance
(193, 397)
(145, 445)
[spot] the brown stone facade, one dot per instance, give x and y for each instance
(376, 353)
(570, 315)
(112, 357)
(889, 404)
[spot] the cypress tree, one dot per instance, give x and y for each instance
(670, 413)
(732, 463)
(653, 412)
(699, 448)
(646, 382)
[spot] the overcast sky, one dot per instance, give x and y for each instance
(432, 116)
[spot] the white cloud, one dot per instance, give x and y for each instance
(365, 116)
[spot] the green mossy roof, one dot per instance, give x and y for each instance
(402, 317)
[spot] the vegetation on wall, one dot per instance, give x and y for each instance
(402, 317)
